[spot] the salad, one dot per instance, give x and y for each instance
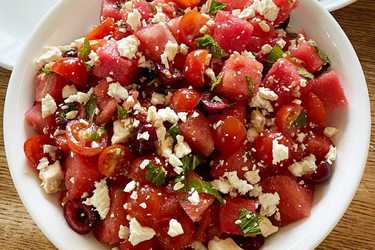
(185, 124)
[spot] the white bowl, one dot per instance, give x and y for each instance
(67, 21)
(332, 5)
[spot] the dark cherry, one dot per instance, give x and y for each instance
(249, 243)
(142, 146)
(322, 173)
(210, 105)
(80, 218)
(70, 53)
(169, 77)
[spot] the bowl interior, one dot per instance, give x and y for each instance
(67, 22)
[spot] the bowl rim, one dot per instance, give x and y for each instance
(19, 68)
(332, 5)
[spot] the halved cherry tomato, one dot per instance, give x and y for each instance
(86, 139)
(102, 30)
(114, 160)
(187, 3)
(316, 112)
(72, 69)
(190, 26)
(33, 148)
(184, 100)
(230, 135)
(195, 67)
(289, 119)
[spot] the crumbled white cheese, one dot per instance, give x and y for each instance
(123, 232)
(157, 99)
(267, 8)
(143, 136)
(268, 94)
(268, 203)
(144, 164)
(175, 228)
(167, 114)
(69, 90)
(241, 185)
(79, 97)
(330, 131)
(259, 102)
(184, 49)
(52, 176)
(122, 130)
(48, 106)
(143, 63)
(143, 205)
(197, 245)
(266, 49)
(51, 150)
(134, 195)
(93, 58)
(194, 197)
(159, 17)
(134, 19)
(128, 46)
(130, 187)
(176, 163)
(300, 137)
(51, 54)
(182, 116)
(178, 186)
(331, 155)
(280, 152)
(71, 114)
(138, 233)
(251, 134)
(219, 244)
(211, 74)
(256, 191)
(117, 91)
(170, 52)
(267, 228)
(204, 29)
(252, 176)
(222, 185)
(100, 199)
(305, 166)
(258, 120)
(181, 148)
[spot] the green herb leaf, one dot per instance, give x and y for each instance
(301, 121)
(122, 113)
(218, 81)
(249, 222)
(190, 162)
(174, 131)
(46, 70)
(304, 73)
(275, 54)
(155, 175)
(250, 85)
(98, 134)
(90, 108)
(202, 186)
(207, 42)
(216, 6)
(84, 51)
(323, 55)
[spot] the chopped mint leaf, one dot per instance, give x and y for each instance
(90, 108)
(207, 42)
(98, 134)
(46, 70)
(323, 55)
(190, 162)
(155, 175)
(249, 222)
(218, 81)
(301, 121)
(84, 51)
(216, 6)
(202, 186)
(122, 113)
(304, 73)
(174, 131)
(275, 54)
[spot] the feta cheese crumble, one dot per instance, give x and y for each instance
(100, 199)
(280, 152)
(122, 130)
(123, 232)
(305, 166)
(49, 106)
(331, 155)
(266, 227)
(130, 186)
(128, 47)
(134, 19)
(138, 233)
(69, 90)
(170, 52)
(219, 244)
(117, 91)
(51, 176)
(181, 148)
(175, 228)
(241, 185)
(268, 203)
(194, 197)
(51, 54)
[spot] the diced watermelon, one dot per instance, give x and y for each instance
(328, 88)
(238, 4)
(283, 78)
(80, 177)
(153, 39)
(261, 36)
(144, 8)
(106, 104)
(232, 33)
(198, 134)
(242, 76)
(295, 199)
(145, 245)
(112, 8)
(111, 64)
(309, 55)
(49, 84)
(230, 212)
(174, 27)
(285, 7)
(107, 231)
(107, 112)
(208, 226)
(34, 118)
(195, 212)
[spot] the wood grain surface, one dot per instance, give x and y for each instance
(356, 229)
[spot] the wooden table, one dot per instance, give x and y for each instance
(355, 231)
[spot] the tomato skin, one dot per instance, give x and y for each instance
(237, 110)
(318, 145)
(286, 116)
(105, 28)
(62, 143)
(145, 245)
(114, 160)
(195, 67)
(81, 145)
(230, 135)
(185, 100)
(316, 112)
(33, 148)
(51, 84)
(187, 3)
(34, 118)
(190, 25)
(72, 69)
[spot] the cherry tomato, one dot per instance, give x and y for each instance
(318, 145)
(195, 67)
(86, 139)
(33, 148)
(187, 3)
(289, 119)
(102, 30)
(185, 100)
(114, 160)
(62, 142)
(230, 135)
(190, 26)
(316, 112)
(72, 69)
